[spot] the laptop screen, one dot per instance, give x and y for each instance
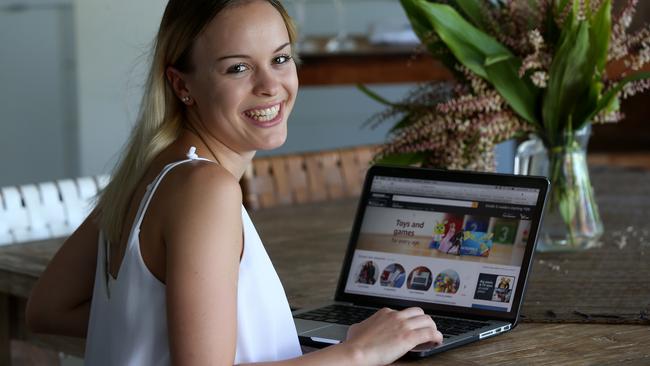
(441, 242)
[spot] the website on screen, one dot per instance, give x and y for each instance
(447, 243)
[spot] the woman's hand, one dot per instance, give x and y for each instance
(388, 334)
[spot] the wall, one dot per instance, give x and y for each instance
(113, 38)
(37, 98)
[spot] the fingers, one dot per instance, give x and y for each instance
(422, 326)
(420, 321)
(425, 335)
(415, 321)
(411, 312)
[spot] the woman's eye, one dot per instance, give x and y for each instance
(236, 69)
(281, 59)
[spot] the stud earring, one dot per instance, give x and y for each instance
(186, 99)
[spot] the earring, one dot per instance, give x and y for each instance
(186, 99)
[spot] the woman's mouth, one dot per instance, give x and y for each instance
(265, 117)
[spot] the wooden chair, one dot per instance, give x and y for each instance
(307, 177)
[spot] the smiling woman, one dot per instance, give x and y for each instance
(169, 268)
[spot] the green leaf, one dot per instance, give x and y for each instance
(609, 98)
(423, 28)
(587, 104)
(570, 77)
(561, 4)
(474, 12)
(599, 35)
(479, 52)
(575, 76)
(491, 60)
(376, 97)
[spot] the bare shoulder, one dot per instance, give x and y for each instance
(198, 196)
(203, 179)
(201, 186)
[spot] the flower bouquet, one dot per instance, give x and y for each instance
(521, 67)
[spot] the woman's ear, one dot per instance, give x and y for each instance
(177, 81)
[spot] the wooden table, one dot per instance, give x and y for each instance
(307, 244)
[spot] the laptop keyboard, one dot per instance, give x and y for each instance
(348, 315)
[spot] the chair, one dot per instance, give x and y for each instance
(307, 177)
(46, 210)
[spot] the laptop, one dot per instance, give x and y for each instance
(457, 244)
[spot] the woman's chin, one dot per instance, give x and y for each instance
(272, 142)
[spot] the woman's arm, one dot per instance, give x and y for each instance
(202, 231)
(60, 301)
(203, 237)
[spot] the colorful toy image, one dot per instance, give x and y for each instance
(447, 282)
(503, 289)
(476, 243)
(504, 230)
(476, 223)
(453, 244)
(393, 276)
(419, 279)
(367, 273)
(444, 231)
(438, 234)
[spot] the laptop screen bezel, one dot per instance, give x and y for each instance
(495, 179)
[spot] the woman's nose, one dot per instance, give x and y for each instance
(266, 83)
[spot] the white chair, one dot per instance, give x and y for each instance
(46, 210)
(16, 214)
(37, 229)
(5, 233)
(53, 210)
(72, 203)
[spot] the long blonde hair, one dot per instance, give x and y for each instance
(162, 114)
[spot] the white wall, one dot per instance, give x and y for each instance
(113, 40)
(37, 124)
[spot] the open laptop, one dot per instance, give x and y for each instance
(457, 244)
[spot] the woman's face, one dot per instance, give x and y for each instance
(244, 81)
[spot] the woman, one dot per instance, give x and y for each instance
(168, 268)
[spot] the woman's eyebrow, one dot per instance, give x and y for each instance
(246, 56)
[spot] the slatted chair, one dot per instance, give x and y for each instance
(46, 210)
(307, 177)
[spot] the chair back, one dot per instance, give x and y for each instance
(46, 210)
(306, 177)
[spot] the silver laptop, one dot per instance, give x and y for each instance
(457, 244)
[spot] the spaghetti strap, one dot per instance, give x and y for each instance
(151, 189)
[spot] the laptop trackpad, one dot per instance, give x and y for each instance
(331, 334)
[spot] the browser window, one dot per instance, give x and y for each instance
(447, 243)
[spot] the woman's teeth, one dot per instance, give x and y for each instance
(263, 115)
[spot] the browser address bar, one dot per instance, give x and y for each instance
(435, 201)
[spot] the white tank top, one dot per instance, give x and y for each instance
(128, 315)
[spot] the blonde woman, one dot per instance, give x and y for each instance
(168, 269)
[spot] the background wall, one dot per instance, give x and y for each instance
(72, 73)
(37, 93)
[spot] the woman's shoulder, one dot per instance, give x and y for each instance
(203, 180)
(198, 199)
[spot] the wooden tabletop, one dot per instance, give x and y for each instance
(307, 244)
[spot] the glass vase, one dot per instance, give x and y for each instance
(571, 219)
